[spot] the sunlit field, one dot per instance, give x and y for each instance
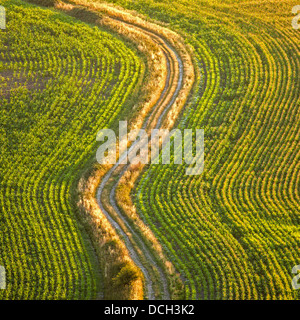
(229, 233)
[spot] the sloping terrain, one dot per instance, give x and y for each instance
(233, 232)
(61, 82)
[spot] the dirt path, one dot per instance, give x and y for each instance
(174, 83)
(175, 73)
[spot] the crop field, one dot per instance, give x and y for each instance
(61, 81)
(233, 232)
(229, 67)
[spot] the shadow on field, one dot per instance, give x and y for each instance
(77, 12)
(84, 15)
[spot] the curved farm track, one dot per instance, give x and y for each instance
(131, 238)
(173, 93)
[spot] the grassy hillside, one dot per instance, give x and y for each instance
(61, 82)
(233, 232)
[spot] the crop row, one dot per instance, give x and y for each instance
(63, 81)
(233, 232)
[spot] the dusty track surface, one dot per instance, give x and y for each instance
(170, 95)
(175, 73)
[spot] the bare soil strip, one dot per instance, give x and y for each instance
(167, 98)
(174, 86)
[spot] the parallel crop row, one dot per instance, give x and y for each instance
(233, 232)
(61, 82)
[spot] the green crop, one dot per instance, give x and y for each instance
(233, 232)
(61, 82)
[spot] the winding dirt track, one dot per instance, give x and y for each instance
(154, 120)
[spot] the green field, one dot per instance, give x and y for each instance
(232, 232)
(61, 81)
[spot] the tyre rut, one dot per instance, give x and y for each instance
(169, 53)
